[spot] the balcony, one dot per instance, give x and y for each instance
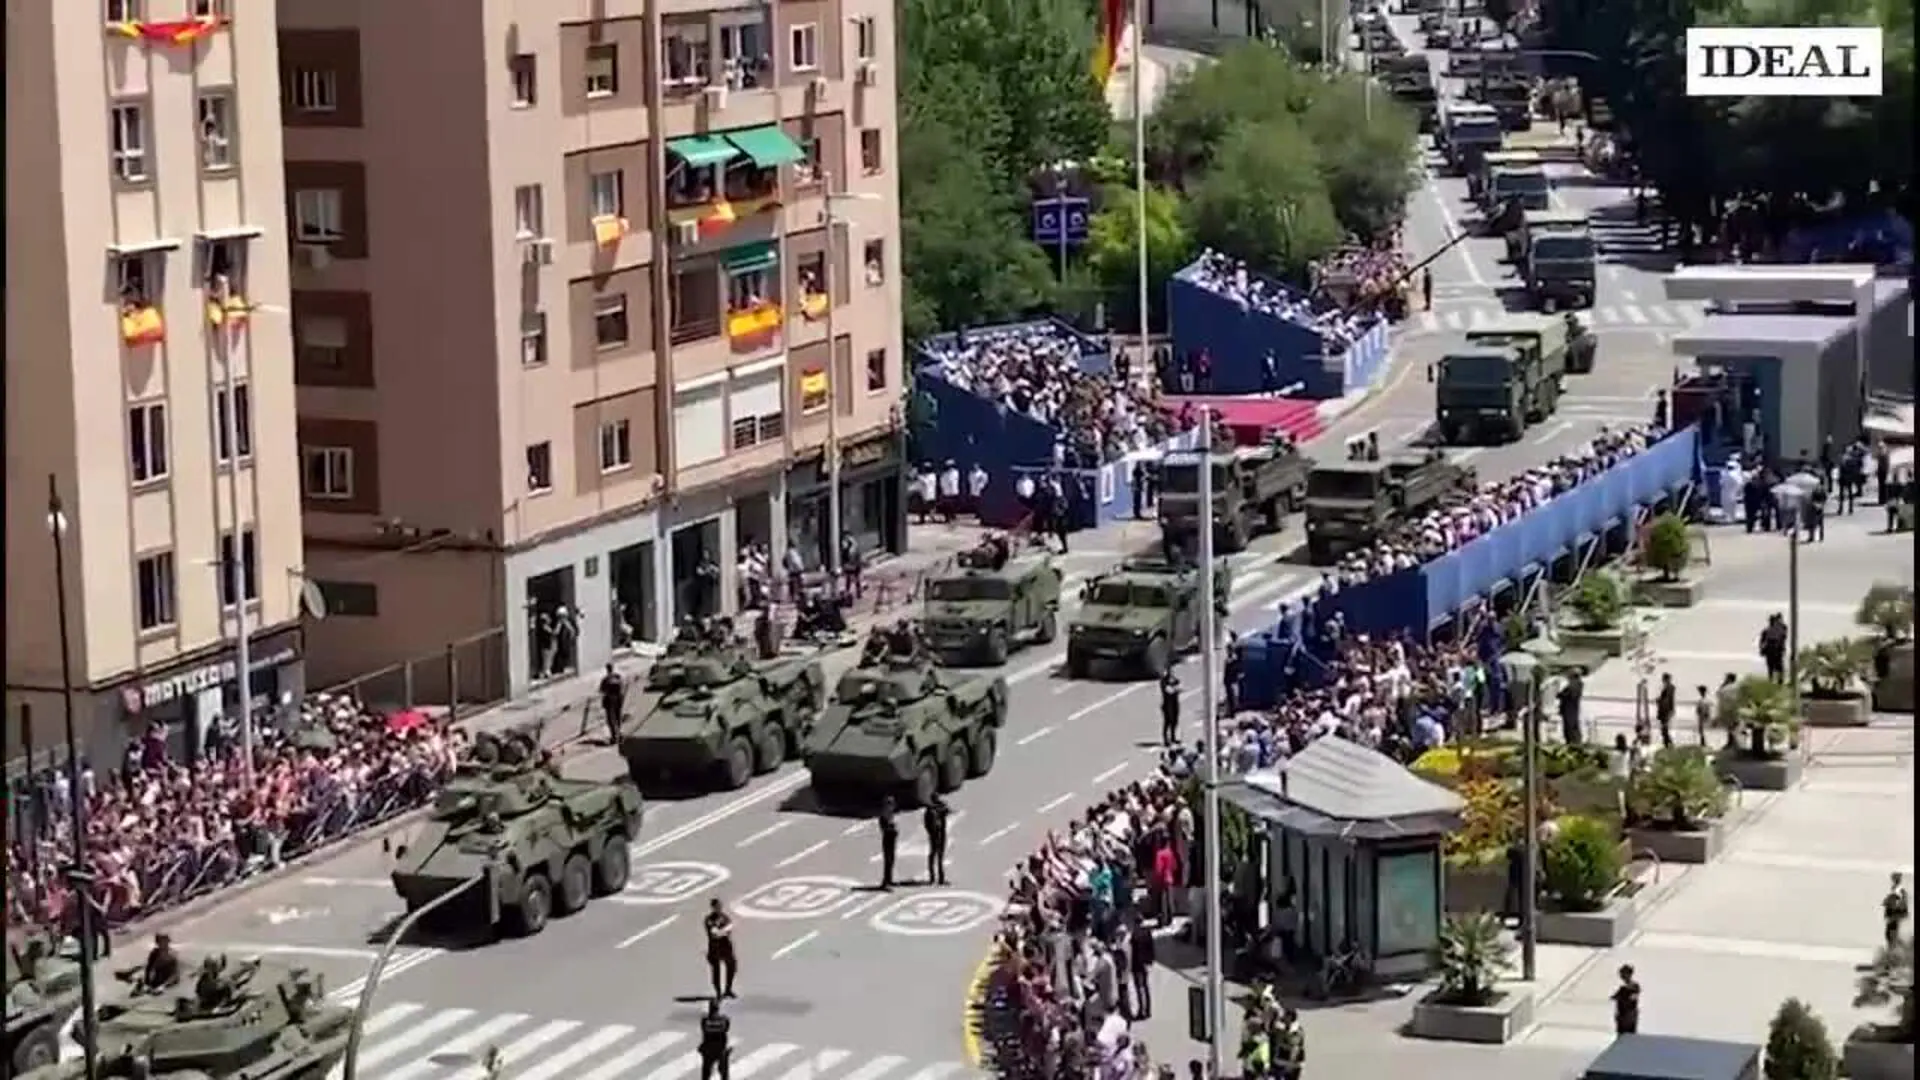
(718, 181)
(752, 328)
(141, 324)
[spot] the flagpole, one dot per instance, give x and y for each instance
(1140, 168)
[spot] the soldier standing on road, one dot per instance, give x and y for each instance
(1894, 910)
(934, 820)
(716, 1053)
(1169, 709)
(1626, 1003)
(613, 698)
(722, 962)
(889, 841)
(1426, 288)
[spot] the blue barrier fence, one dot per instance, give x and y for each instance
(1238, 338)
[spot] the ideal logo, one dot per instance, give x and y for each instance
(1800, 61)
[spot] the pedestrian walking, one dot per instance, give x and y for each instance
(889, 841)
(1140, 958)
(1665, 705)
(722, 962)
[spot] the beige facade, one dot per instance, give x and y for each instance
(559, 307)
(143, 184)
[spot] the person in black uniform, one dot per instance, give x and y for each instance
(1235, 666)
(162, 969)
(1626, 1003)
(613, 698)
(716, 1055)
(1665, 705)
(1140, 958)
(1169, 709)
(722, 963)
(934, 820)
(889, 841)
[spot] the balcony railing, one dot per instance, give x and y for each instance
(694, 328)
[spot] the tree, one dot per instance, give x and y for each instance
(1798, 1047)
(1262, 200)
(1112, 251)
(1369, 147)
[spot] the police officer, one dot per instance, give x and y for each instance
(1169, 709)
(889, 841)
(613, 698)
(722, 962)
(716, 1055)
(934, 820)
(1235, 666)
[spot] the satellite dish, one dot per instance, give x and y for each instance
(312, 600)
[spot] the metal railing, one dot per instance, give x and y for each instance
(468, 673)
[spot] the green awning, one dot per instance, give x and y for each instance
(750, 257)
(767, 146)
(700, 151)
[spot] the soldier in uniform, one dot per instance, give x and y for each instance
(716, 1050)
(1894, 910)
(889, 841)
(1289, 1047)
(875, 650)
(162, 968)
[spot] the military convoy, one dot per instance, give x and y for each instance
(710, 713)
(1353, 504)
(900, 726)
(1554, 252)
(526, 841)
(1509, 375)
(989, 605)
(43, 991)
(1254, 489)
(1513, 176)
(1468, 132)
(1141, 615)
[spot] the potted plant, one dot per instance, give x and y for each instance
(1474, 860)
(1577, 774)
(1470, 1004)
(1887, 610)
(1598, 605)
(1797, 1045)
(1884, 1051)
(1674, 806)
(1763, 730)
(1667, 552)
(1586, 897)
(1832, 674)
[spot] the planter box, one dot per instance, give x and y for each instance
(1610, 643)
(1601, 929)
(1595, 796)
(1466, 890)
(1510, 1014)
(1850, 711)
(1760, 774)
(1689, 848)
(1867, 1059)
(1671, 594)
(1895, 692)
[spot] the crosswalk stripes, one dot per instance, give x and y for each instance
(408, 1041)
(1603, 317)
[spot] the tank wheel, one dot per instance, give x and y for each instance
(576, 885)
(925, 783)
(737, 767)
(986, 742)
(37, 1049)
(1157, 657)
(772, 752)
(1048, 629)
(953, 767)
(615, 864)
(997, 646)
(529, 916)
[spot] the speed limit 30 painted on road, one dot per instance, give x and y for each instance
(810, 897)
(939, 912)
(672, 882)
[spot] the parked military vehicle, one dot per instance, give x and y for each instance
(710, 713)
(1138, 617)
(43, 991)
(540, 844)
(252, 1020)
(1254, 489)
(1468, 132)
(1555, 253)
(1354, 503)
(900, 726)
(1478, 179)
(1508, 376)
(989, 605)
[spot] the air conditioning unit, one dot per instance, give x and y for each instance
(312, 256)
(536, 252)
(688, 233)
(717, 96)
(819, 85)
(868, 73)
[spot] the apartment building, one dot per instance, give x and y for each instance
(148, 374)
(581, 293)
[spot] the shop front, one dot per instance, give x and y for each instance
(196, 703)
(873, 508)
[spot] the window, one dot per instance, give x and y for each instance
(743, 53)
(249, 562)
(241, 421)
(524, 71)
(540, 467)
(312, 90)
(316, 215)
(610, 320)
(358, 599)
(876, 261)
(216, 130)
(134, 278)
(870, 150)
(211, 9)
(153, 577)
(529, 213)
(227, 266)
(807, 169)
(746, 290)
(602, 70)
(320, 341)
(876, 370)
(866, 38)
(755, 407)
(128, 129)
(616, 445)
(607, 194)
(147, 441)
(695, 296)
(686, 59)
(533, 339)
(692, 185)
(803, 47)
(326, 472)
(810, 273)
(125, 11)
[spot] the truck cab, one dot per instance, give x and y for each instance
(1470, 132)
(1478, 393)
(1526, 184)
(1254, 488)
(1557, 257)
(1499, 159)
(1349, 505)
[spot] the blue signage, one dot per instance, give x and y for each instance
(1049, 216)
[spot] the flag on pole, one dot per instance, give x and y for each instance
(170, 32)
(1114, 16)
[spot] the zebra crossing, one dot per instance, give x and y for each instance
(409, 1041)
(1670, 317)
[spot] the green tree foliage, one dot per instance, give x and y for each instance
(1113, 257)
(1262, 200)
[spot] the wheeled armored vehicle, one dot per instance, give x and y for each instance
(989, 605)
(1141, 615)
(43, 991)
(710, 712)
(898, 725)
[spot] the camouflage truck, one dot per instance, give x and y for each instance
(1254, 489)
(710, 713)
(1555, 254)
(253, 1020)
(537, 843)
(1354, 503)
(989, 605)
(43, 991)
(898, 725)
(1508, 376)
(1140, 616)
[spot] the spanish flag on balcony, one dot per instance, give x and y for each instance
(170, 32)
(1114, 16)
(609, 228)
(753, 322)
(718, 218)
(232, 311)
(142, 325)
(813, 305)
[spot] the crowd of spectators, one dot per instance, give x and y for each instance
(1035, 369)
(161, 830)
(1231, 278)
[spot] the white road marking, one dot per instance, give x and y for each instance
(1056, 803)
(522, 1047)
(823, 1062)
(684, 1065)
(422, 1032)
(876, 1068)
(996, 834)
(619, 1066)
(764, 833)
(759, 1058)
(802, 853)
(461, 1046)
(937, 1071)
(647, 932)
(344, 882)
(1034, 736)
(1551, 432)
(790, 946)
(1103, 702)
(1113, 772)
(247, 948)
(862, 907)
(557, 1065)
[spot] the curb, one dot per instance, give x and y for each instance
(971, 1021)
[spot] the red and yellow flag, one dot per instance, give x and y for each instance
(1114, 16)
(170, 32)
(142, 326)
(718, 219)
(608, 229)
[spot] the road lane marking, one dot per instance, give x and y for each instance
(790, 946)
(463, 1044)
(422, 1032)
(937, 1071)
(1103, 702)
(1056, 804)
(345, 882)
(773, 789)
(764, 833)
(875, 1069)
(649, 1047)
(557, 1065)
(996, 834)
(1034, 736)
(802, 853)
(675, 1069)
(863, 906)
(521, 1048)
(1111, 773)
(759, 1058)
(855, 827)
(647, 932)
(246, 948)
(823, 1062)
(1552, 432)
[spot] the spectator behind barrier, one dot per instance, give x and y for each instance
(1230, 277)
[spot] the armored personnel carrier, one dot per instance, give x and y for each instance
(1141, 615)
(710, 712)
(990, 604)
(43, 990)
(248, 1021)
(539, 844)
(900, 726)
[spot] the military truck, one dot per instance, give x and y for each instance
(1467, 133)
(1526, 185)
(252, 1020)
(1416, 91)
(1139, 616)
(900, 726)
(1555, 254)
(710, 713)
(538, 843)
(1353, 504)
(989, 605)
(1254, 489)
(43, 991)
(1477, 179)
(1509, 375)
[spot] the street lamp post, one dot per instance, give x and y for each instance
(379, 966)
(1216, 998)
(1524, 668)
(831, 557)
(1791, 497)
(80, 877)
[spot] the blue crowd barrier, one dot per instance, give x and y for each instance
(1238, 338)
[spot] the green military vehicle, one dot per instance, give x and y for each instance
(43, 992)
(1468, 132)
(1353, 504)
(1498, 159)
(1556, 256)
(990, 604)
(1254, 489)
(709, 712)
(253, 1020)
(1509, 375)
(541, 844)
(1525, 185)
(1141, 615)
(900, 726)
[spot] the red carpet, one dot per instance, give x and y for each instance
(1253, 419)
